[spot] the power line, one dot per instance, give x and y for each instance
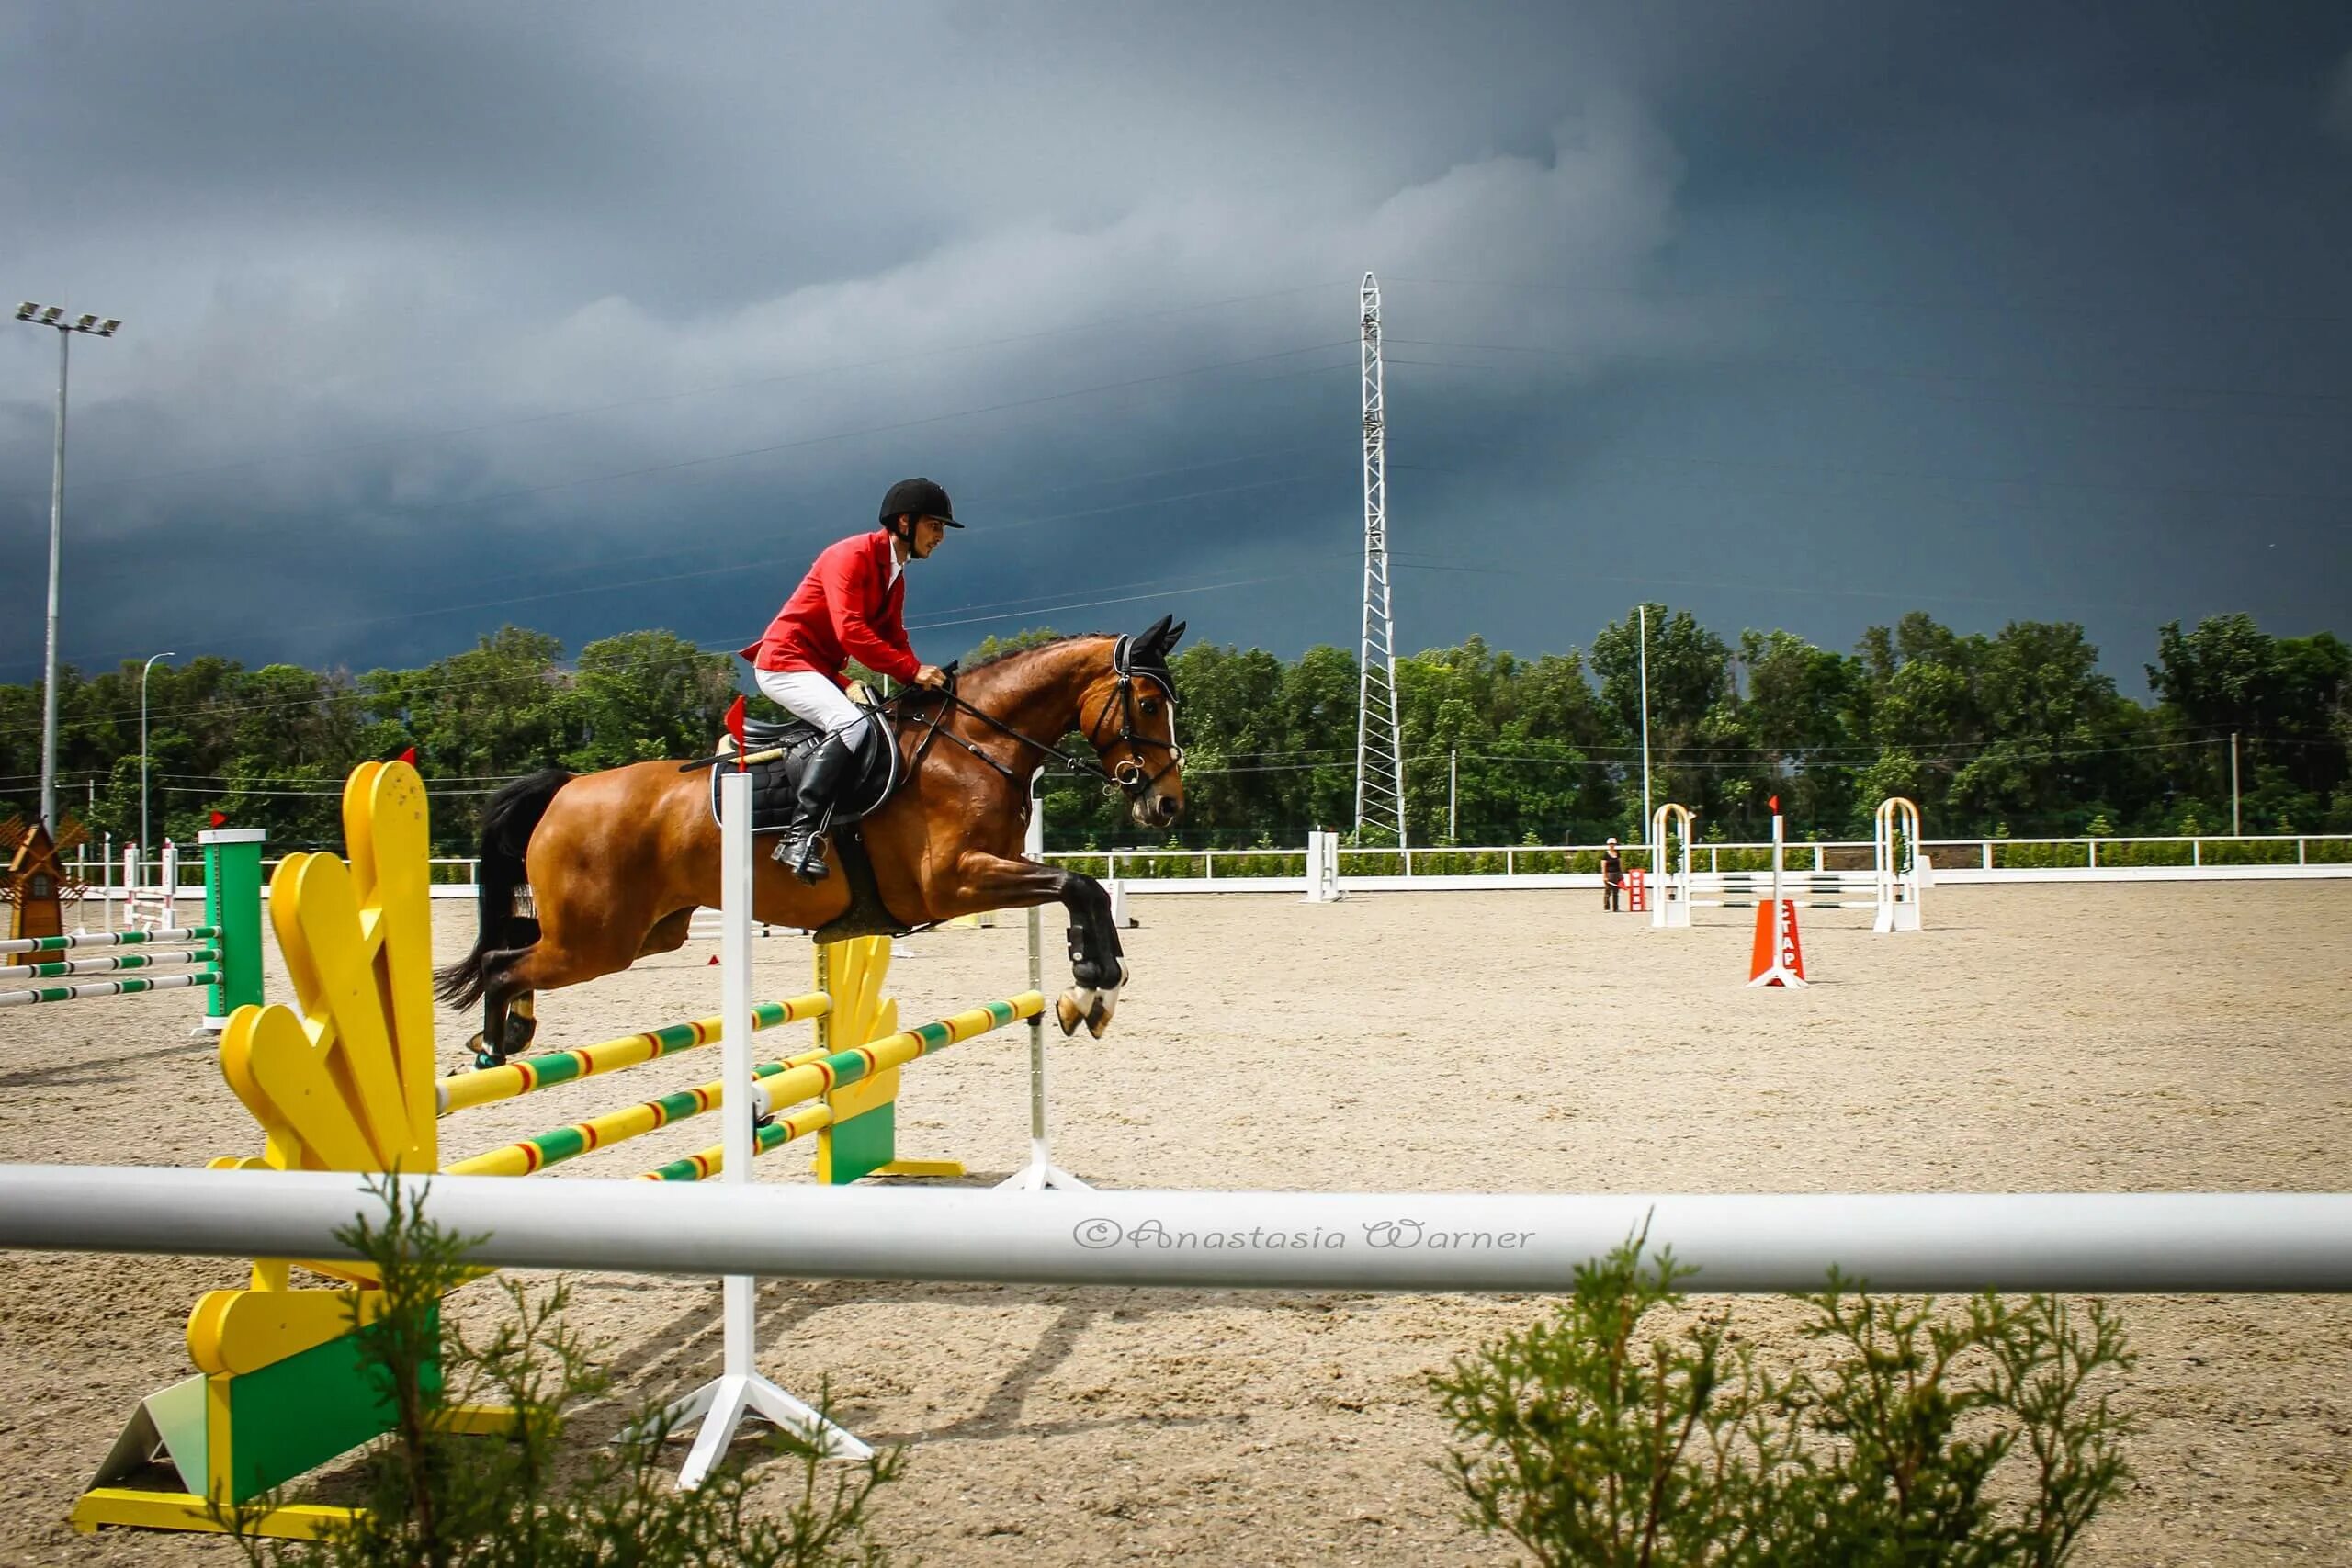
(908, 357)
(2169, 312)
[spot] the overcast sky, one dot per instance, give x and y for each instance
(597, 317)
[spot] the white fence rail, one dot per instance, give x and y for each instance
(2091, 1242)
(1515, 867)
(1529, 867)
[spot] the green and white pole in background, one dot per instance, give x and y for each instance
(232, 908)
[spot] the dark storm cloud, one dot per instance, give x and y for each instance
(1802, 314)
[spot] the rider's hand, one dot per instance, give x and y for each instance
(931, 675)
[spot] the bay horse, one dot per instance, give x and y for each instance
(617, 861)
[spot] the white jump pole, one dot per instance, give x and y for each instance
(1323, 867)
(1041, 1174)
(1782, 923)
(740, 1392)
(2168, 1243)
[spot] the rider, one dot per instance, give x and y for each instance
(851, 605)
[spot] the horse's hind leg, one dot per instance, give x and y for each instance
(513, 977)
(509, 1010)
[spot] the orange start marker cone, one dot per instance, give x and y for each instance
(1777, 958)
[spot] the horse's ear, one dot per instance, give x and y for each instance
(1156, 639)
(1175, 634)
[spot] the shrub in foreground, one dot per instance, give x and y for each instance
(1626, 1430)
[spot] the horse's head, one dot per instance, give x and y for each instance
(1129, 713)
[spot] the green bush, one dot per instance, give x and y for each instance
(1609, 1434)
(434, 1497)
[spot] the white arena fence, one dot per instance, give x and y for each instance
(1513, 867)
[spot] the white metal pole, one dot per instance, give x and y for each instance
(2170, 1243)
(740, 1391)
(142, 740)
(2233, 783)
(1642, 612)
(1041, 1174)
(49, 657)
(1452, 796)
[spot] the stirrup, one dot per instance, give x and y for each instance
(802, 855)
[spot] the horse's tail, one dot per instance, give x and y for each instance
(507, 826)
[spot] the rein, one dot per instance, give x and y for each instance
(1128, 776)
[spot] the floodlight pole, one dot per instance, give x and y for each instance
(48, 654)
(53, 316)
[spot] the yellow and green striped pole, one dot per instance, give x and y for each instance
(561, 1143)
(808, 1079)
(804, 1076)
(459, 1091)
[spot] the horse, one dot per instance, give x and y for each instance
(617, 861)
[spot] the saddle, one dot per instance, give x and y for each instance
(775, 783)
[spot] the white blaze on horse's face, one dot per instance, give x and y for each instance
(1156, 716)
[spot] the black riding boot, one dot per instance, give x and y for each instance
(801, 845)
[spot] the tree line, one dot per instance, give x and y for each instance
(2016, 734)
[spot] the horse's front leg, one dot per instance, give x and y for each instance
(1098, 970)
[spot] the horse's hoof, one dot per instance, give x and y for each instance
(521, 1030)
(1098, 1016)
(1079, 1005)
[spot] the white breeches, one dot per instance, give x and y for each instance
(813, 696)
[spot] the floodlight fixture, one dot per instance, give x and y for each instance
(54, 316)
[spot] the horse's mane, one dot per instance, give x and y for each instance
(1001, 655)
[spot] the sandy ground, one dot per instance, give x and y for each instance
(2102, 1037)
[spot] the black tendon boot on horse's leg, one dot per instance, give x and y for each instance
(1098, 966)
(801, 847)
(512, 1021)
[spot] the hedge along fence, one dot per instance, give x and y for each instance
(1144, 865)
(2070, 854)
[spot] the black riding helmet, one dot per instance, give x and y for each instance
(917, 498)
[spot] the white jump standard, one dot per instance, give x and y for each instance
(1890, 887)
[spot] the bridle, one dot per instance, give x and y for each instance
(1129, 774)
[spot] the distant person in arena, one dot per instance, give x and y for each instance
(1612, 875)
(851, 605)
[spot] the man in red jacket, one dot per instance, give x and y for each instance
(851, 605)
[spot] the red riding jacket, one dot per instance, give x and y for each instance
(847, 607)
